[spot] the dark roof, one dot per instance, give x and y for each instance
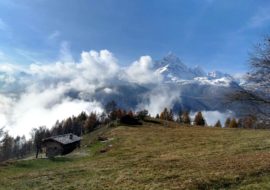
(64, 139)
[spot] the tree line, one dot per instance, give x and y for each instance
(11, 147)
(247, 122)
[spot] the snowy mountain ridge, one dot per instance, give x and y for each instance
(174, 70)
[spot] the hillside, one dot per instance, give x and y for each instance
(153, 157)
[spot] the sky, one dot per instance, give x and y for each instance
(214, 34)
(50, 49)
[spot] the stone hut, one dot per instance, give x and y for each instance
(61, 144)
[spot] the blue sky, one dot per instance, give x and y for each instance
(215, 34)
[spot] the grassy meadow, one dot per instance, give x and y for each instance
(152, 157)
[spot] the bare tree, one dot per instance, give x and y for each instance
(257, 88)
(1, 132)
(259, 75)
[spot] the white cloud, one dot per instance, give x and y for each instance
(3, 25)
(65, 53)
(108, 90)
(160, 97)
(38, 96)
(27, 116)
(261, 18)
(55, 34)
(43, 104)
(98, 65)
(141, 71)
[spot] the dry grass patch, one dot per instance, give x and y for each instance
(154, 157)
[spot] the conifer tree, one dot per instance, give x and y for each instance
(184, 118)
(240, 123)
(6, 148)
(91, 122)
(227, 122)
(119, 113)
(249, 122)
(170, 115)
(130, 113)
(113, 115)
(165, 114)
(233, 123)
(142, 114)
(199, 120)
(38, 134)
(218, 124)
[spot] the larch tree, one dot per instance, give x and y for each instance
(199, 119)
(218, 124)
(6, 147)
(166, 115)
(38, 134)
(130, 113)
(184, 118)
(91, 122)
(227, 122)
(170, 116)
(233, 123)
(142, 114)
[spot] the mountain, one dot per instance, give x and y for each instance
(174, 70)
(218, 74)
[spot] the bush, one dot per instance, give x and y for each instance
(129, 120)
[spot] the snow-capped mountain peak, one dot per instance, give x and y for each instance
(223, 81)
(170, 61)
(174, 70)
(218, 74)
(197, 70)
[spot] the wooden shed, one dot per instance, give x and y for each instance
(61, 144)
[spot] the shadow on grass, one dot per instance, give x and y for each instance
(234, 183)
(41, 162)
(60, 159)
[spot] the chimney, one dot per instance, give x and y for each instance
(70, 136)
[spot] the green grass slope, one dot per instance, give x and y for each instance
(153, 157)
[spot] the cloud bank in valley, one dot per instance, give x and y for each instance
(37, 95)
(212, 117)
